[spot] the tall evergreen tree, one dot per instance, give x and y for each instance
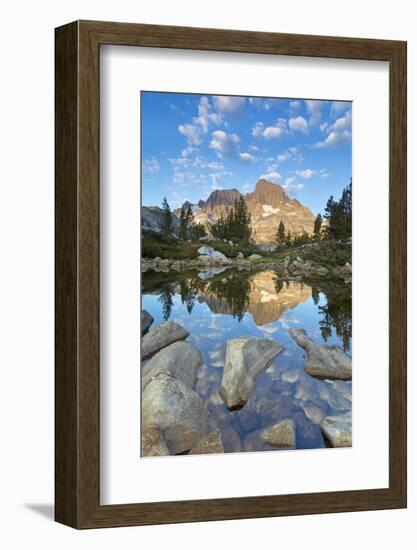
(166, 219)
(317, 227)
(217, 229)
(346, 208)
(235, 225)
(280, 237)
(339, 215)
(197, 231)
(183, 224)
(288, 238)
(189, 216)
(242, 220)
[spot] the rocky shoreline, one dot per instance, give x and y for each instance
(288, 267)
(176, 420)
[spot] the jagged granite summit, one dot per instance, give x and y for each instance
(269, 204)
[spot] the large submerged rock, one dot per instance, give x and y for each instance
(146, 321)
(210, 444)
(176, 410)
(153, 443)
(180, 360)
(324, 362)
(281, 435)
(338, 430)
(161, 336)
(245, 359)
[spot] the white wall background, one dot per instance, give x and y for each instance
(26, 272)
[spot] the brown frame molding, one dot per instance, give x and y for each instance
(77, 377)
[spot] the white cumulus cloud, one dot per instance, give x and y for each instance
(292, 153)
(338, 107)
(247, 157)
(305, 174)
(225, 144)
(150, 166)
(272, 175)
(228, 104)
(270, 132)
(298, 124)
(195, 130)
(206, 115)
(291, 185)
(337, 133)
(314, 108)
(192, 132)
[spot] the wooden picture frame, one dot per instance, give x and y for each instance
(77, 373)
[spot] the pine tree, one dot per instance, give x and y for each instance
(301, 238)
(183, 224)
(317, 227)
(288, 238)
(339, 215)
(189, 216)
(346, 209)
(280, 237)
(166, 219)
(229, 225)
(217, 229)
(197, 231)
(235, 225)
(242, 220)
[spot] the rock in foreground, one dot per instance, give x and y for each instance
(176, 410)
(338, 430)
(209, 444)
(153, 443)
(281, 435)
(146, 321)
(164, 334)
(180, 360)
(324, 362)
(245, 359)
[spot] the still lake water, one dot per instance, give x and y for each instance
(217, 307)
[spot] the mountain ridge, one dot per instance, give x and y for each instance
(268, 204)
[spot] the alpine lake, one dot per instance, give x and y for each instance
(223, 303)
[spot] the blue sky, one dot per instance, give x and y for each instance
(193, 144)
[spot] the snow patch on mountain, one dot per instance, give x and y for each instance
(268, 210)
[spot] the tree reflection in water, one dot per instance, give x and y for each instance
(234, 293)
(190, 287)
(165, 297)
(336, 313)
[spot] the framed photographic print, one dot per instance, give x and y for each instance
(230, 274)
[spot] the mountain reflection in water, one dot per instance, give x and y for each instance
(219, 306)
(261, 294)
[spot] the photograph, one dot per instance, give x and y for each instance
(246, 267)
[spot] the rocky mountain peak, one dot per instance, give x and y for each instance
(267, 192)
(221, 197)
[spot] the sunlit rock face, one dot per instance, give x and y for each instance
(269, 204)
(266, 302)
